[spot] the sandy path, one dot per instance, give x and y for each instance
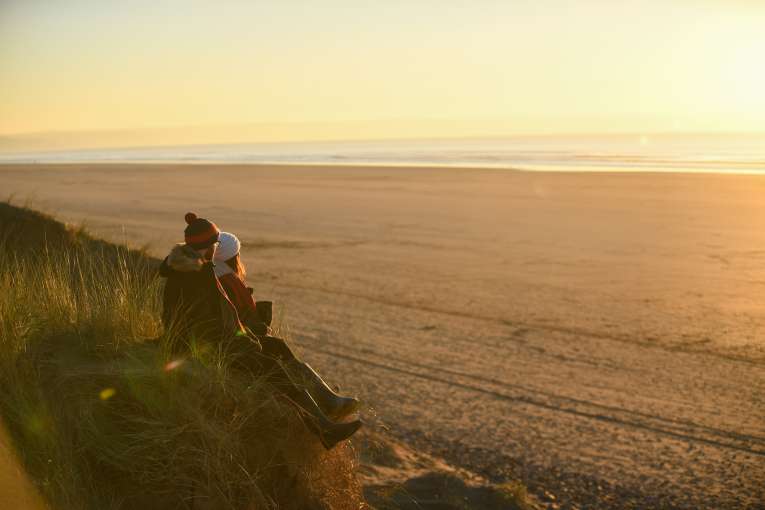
(598, 335)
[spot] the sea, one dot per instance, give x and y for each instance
(589, 153)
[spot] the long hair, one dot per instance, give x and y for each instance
(236, 264)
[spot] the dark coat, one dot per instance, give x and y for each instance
(193, 301)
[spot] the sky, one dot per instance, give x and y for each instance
(219, 71)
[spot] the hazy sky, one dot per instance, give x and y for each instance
(390, 68)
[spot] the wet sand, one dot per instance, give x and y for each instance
(600, 336)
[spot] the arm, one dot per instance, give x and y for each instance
(241, 296)
(165, 271)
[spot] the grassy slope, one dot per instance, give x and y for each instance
(103, 416)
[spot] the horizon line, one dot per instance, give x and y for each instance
(493, 136)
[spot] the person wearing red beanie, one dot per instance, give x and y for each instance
(200, 233)
(192, 292)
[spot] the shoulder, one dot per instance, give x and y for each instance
(182, 259)
(164, 269)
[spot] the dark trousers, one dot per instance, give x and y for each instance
(264, 357)
(276, 348)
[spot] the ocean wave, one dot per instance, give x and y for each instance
(703, 154)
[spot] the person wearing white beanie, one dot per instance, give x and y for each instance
(257, 317)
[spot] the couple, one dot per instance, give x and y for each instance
(206, 299)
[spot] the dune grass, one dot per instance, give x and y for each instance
(103, 414)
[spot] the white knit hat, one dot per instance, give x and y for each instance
(228, 247)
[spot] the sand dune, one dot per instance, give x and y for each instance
(597, 335)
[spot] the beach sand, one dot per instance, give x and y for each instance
(600, 336)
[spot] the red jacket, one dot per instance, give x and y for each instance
(241, 296)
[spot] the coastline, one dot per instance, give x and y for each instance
(755, 172)
(702, 153)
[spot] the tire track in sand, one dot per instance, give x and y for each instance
(678, 429)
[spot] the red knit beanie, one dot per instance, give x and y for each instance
(200, 233)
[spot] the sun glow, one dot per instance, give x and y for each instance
(406, 70)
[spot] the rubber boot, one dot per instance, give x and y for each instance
(335, 406)
(329, 432)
